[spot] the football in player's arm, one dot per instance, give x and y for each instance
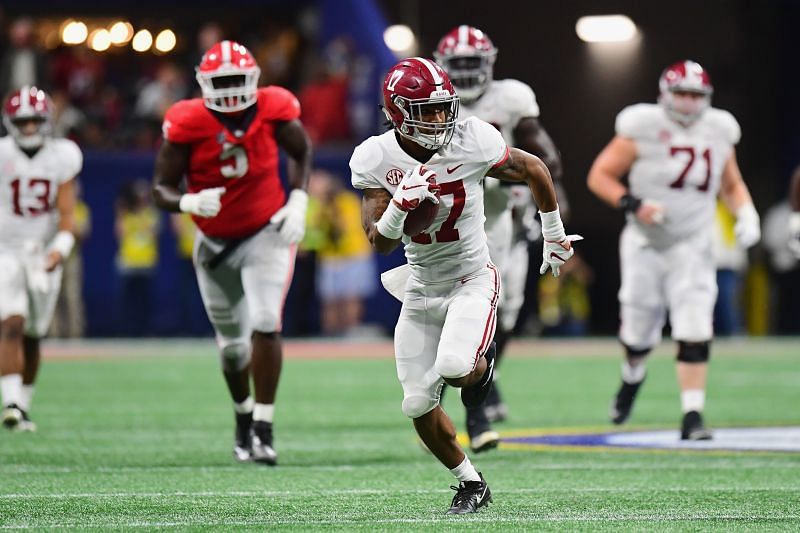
(226, 146)
(36, 237)
(678, 155)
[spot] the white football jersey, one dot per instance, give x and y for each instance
(503, 105)
(28, 188)
(455, 244)
(680, 167)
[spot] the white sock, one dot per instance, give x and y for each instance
(693, 400)
(263, 412)
(246, 406)
(11, 388)
(25, 398)
(465, 471)
(633, 374)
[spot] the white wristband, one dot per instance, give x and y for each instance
(391, 223)
(552, 227)
(747, 212)
(188, 203)
(63, 243)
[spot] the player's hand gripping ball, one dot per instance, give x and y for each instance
(422, 210)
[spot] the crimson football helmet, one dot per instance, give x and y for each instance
(685, 77)
(410, 89)
(28, 103)
(468, 56)
(228, 77)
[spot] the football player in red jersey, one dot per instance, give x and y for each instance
(226, 145)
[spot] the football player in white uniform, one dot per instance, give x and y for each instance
(37, 199)
(449, 288)
(468, 56)
(679, 155)
(794, 219)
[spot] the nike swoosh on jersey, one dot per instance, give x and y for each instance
(451, 170)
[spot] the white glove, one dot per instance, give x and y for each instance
(418, 184)
(205, 203)
(794, 233)
(556, 254)
(291, 218)
(748, 226)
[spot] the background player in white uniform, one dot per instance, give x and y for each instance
(468, 56)
(37, 200)
(680, 155)
(451, 288)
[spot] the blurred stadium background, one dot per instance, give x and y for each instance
(150, 449)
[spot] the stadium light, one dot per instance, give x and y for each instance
(121, 32)
(166, 41)
(142, 41)
(605, 29)
(74, 32)
(100, 40)
(400, 39)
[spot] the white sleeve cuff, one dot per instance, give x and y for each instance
(391, 223)
(63, 243)
(552, 227)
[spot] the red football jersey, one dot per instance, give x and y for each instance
(247, 165)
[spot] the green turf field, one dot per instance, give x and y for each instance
(143, 441)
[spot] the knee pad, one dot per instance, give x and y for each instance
(634, 353)
(451, 366)
(417, 405)
(694, 352)
(235, 355)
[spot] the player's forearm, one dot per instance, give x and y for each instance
(380, 243)
(299, 169)
(735, 196)
(538, 178)
(167, 197)
(606, 186)
(794, 191)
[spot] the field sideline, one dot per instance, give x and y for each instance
(137, 435)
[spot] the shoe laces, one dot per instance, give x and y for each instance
(463, 493)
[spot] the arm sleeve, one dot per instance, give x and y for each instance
(494, 150)
(362, 163)
(177, 127)
(283, 105)
(71, 160)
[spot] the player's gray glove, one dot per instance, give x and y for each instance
(291, 218)
(205, 203)
(794, 233)
(748, 226)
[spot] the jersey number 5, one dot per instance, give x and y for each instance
(239, 166)
(680, 182)
(41, 190)
(448, 231)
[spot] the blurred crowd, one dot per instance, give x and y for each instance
(117, 99)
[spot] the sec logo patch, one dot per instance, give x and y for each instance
(394, 176)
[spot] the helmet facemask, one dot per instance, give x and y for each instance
(428, 134)
(470, 74)
(27, 141)
(685, 106)
(229, 90)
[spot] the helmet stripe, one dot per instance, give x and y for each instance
(226, 51)
(463, 34)
(437, 79)
(25, 101)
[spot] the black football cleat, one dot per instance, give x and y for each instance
(475, 395)
(692, 427)
(470, 496)
(494, 407)
(11, 416)
(242, 441)
(261, 448)
(622, 404)
(482, 437)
